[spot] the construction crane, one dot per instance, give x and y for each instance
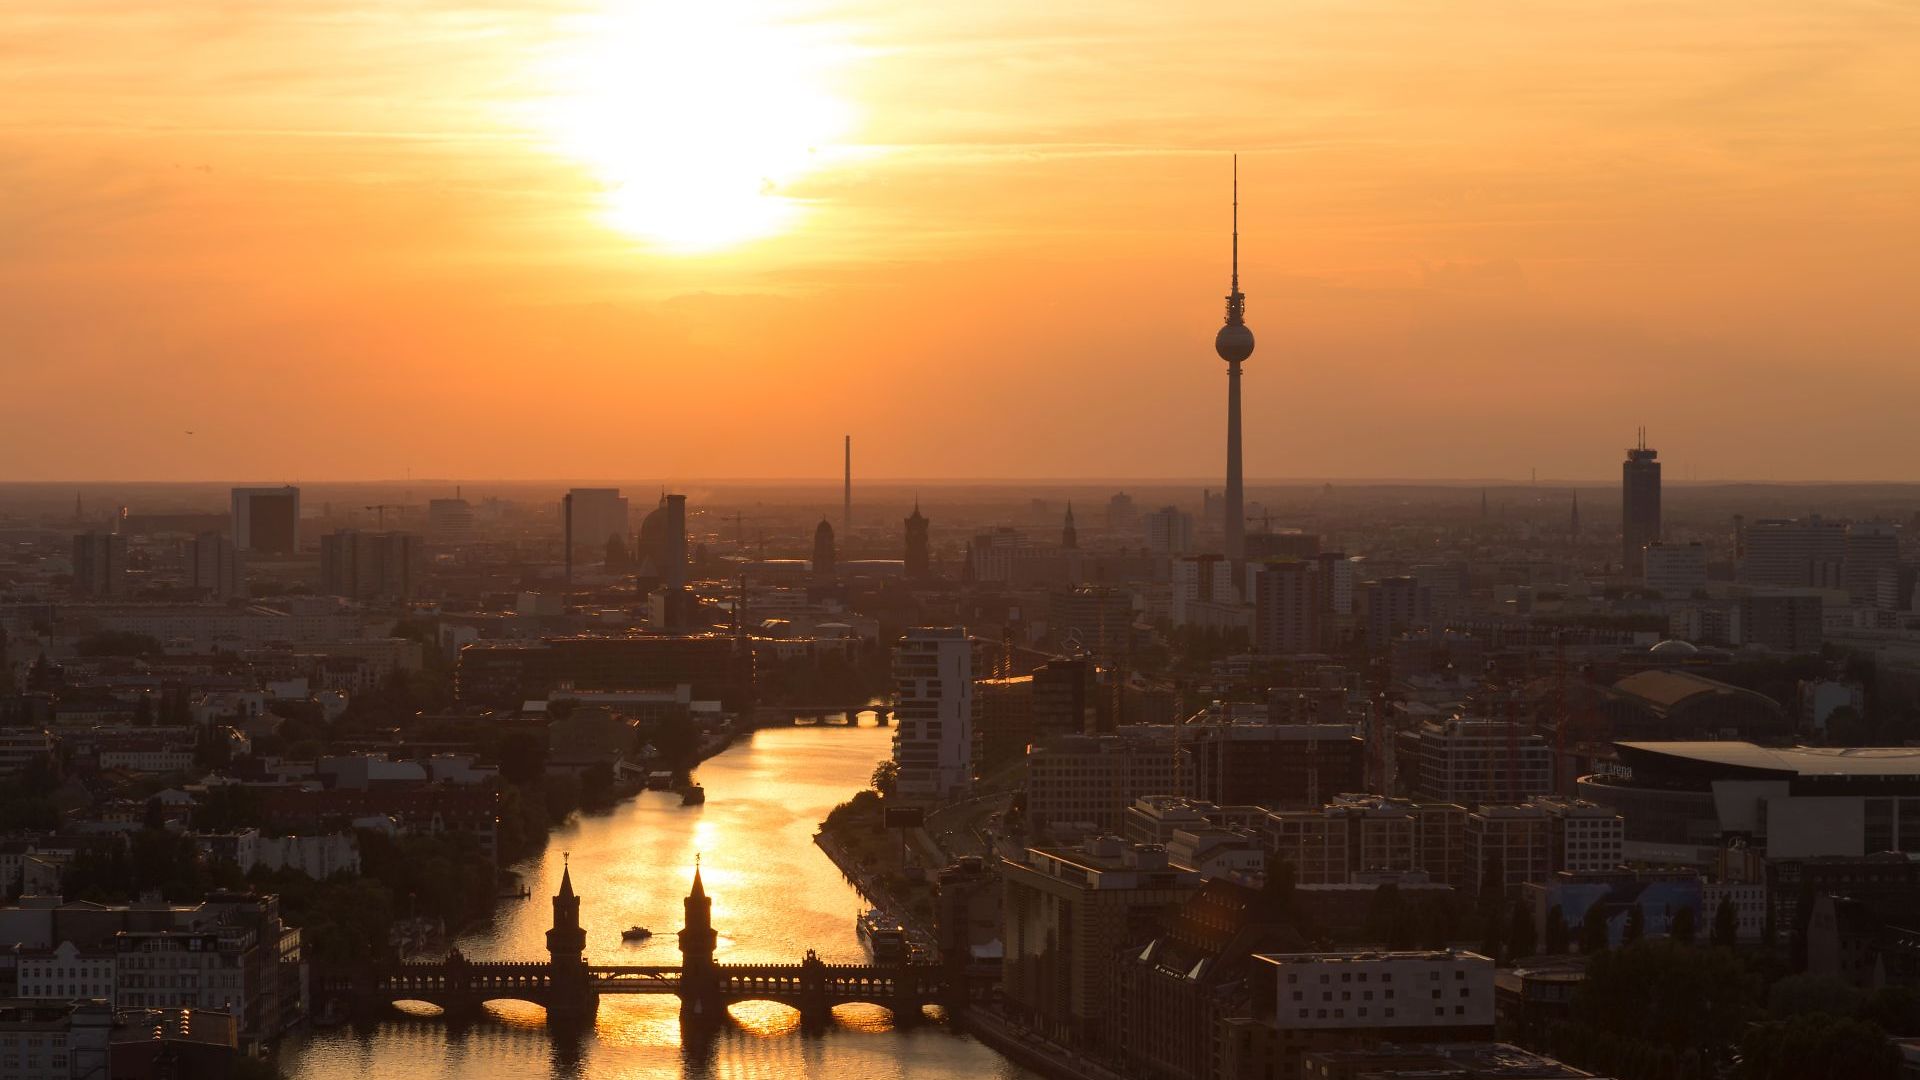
(380, 510)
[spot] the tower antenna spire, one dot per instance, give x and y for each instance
(1236, 303)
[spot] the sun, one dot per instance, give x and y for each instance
(698, 117)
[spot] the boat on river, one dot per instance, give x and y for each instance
(883, 935)
(693, 795)
(635, 933)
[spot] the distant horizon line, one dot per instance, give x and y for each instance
(1050, 481)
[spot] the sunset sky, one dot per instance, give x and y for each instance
(351, 238)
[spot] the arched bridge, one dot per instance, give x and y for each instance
(569, 988)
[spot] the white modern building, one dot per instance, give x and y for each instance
(933, 712)
(1169, 531)
(65, 972)
(1346, 990)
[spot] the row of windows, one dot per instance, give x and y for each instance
(1387, 1013)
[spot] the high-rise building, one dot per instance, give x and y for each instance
(933, 711)
(1336, 582)
(1169, 531)
(370, 565)
(1069, 536)
(919, 562)
(449, 521)
(1391, 606)
(1122, 517)
(1872, 547)
(99, 564)
(1286, 607)
(1234, 344)
(1067, 911)
(823, 555)
(266, 519)
(1802, 553)
(589, 517)
(663, 542)
(1639, 504)
(215, 568)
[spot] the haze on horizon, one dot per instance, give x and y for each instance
(358, 238)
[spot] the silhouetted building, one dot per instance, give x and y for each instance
(502, 674)
(267, 520)
(1286, 607)
(663, 542)
(1639, 504)
(919, 560)
(1796, 554)
(933, 681)
(823, 557)
(370, 565)
(215, 568)
(99, 564)
(450, 521)
(1069, 536)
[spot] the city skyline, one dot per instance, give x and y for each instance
(1482, 257)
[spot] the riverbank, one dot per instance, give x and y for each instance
(870, 887)
(1031, 1050)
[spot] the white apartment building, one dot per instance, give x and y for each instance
(1169, 531)
(933, 712)
(182, 969)
(1385, 990)
(1586, 837)
(64, 973)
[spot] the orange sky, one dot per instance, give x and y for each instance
(348, 238)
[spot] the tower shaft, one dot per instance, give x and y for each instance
(1235, 509)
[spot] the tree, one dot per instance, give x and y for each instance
(1593, 932)
(1636, 927)
(1817, 1045)
(1521, 939)
(1682, 928)
(1726, 924)
(1557, 933)
(886, 778)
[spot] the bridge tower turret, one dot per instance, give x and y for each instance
(571, 998)
(699, 975)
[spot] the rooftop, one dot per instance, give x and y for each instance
(1781, 761)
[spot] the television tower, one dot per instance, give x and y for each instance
(846, 490)
(1234, 343)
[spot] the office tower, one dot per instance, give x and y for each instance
(370, 565)
(266, 520)
(592, 516)
(99, 565)
(919, 566)
(1872, 547)
(1473, 761)
(1121, 515)
(1234, 343)
(1391, 606)
(1064, 699)
(933, 680)
(1069, 536)
(215, 568)
(1202, 586)
(1639, 504)
(1170, 532)
(1336, 582)
(1286, 607)
(1675, 570)
(1809, 553)
(663, 542)
(823, 558)
(449, 521)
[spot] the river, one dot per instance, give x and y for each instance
(774, 897)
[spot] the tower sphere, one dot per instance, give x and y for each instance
(1234, 343)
